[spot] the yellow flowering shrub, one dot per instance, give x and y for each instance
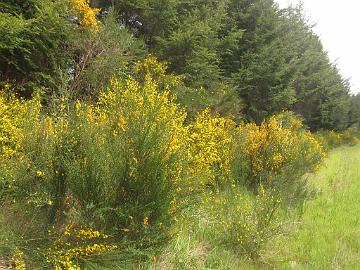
(130, 157)
(128, 105)
(332, 139)
(131, 108)
(150, 66)
(157, 70)
(268, 162)
(277, 153)
(210, 152)
(72, 244)
(15, 115)
(88, 13)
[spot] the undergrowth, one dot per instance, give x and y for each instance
(129, 181)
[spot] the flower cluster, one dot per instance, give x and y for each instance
(210, 147)
(88, 13)
(131, 108)
(75, 243)
(150, 66)
(15, 115)
(18, 259)
(274, 146)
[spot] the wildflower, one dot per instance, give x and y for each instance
(146, 221)
(74, 243)
(40, 173)
(210, 147)
(88, 13)
(18, 259)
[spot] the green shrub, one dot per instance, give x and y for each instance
(117, 164)
(332, 139)
(33, 50)
(245, 222)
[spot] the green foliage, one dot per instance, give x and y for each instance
(354, 113)
(192, 36)
(242, 58)
(261, 65)
(322, 94)
(26, 8)
(102, 55)
(242, 221)
(33, 48)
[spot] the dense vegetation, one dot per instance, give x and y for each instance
(153, 134)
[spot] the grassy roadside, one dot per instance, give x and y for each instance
(329, 235)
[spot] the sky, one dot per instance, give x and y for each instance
(337, 24)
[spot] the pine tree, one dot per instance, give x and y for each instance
(321, 92)
(354, 113)
(261, 65)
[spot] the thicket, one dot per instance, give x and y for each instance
(110, 157)
(129, 165)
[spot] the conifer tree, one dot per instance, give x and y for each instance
(322, 94)
(261, 65)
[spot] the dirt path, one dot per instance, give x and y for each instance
(3, 266)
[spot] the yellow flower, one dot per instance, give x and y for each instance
(146, 221)
(40, 173)
(210, 147)
(15, 115)
(18, 259)
(88, 13)
(76, 243)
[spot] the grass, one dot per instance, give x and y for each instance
(328, 236)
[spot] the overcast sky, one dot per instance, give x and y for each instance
(337, 24)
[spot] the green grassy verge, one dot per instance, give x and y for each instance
(328, 237)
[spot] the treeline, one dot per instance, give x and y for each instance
(248, 59)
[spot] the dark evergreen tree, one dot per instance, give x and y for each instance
(245, 58)
(321, 92)
(354, 113)
(261, 66)
(33, 45)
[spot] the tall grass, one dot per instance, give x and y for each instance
(328, 235)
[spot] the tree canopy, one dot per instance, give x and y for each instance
(245, 58)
